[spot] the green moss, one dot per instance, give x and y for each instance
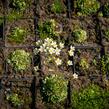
(54, 89)
(105, 64)
(1, 20)
(84, 64)
(106, 10)
(14, 15)
(100, 14)
(58, 7)
(106, 33)
(87, 7)
(14, 99)
(18, 35)
(19, 5)
(91, 97)
(80, 35)
(48, 29)
(18, 8)
(19, 59)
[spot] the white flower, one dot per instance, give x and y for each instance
(44, 45)
(58, 61)
(71, 53)
(48, 40)
(47, 48)
(61, 45)
(51, 50)
(36, 68)
(75, 76)
(41, 49)
(38, 42)
(57, 51)
(53, 22)
(72, 48)
(69, 62)
(36, 51)
(54, 44)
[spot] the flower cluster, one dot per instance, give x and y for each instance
(70, 53)
(51, 49)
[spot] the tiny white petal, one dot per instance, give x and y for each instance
(41, 49)
(71, 53)
(72, 48)
(54, 44)
(36, 51)
(58, 61)
(38, 42)
(51, 50)
(75, 76)
(44, 45)
(69, 63)
(36, 68)
(57, 51)
(61, 45)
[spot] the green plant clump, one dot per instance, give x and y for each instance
(87, 7)
(84, 64)
(19, 5)
(80, 35)
(48, 29)
(18, 35)
(58, 7)
(1, 20)
(105, 10)
(91, 97)
(20, 60)
(106, 33)
(14, 15)
(54, 89)
(14, 99)
(105, 63)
